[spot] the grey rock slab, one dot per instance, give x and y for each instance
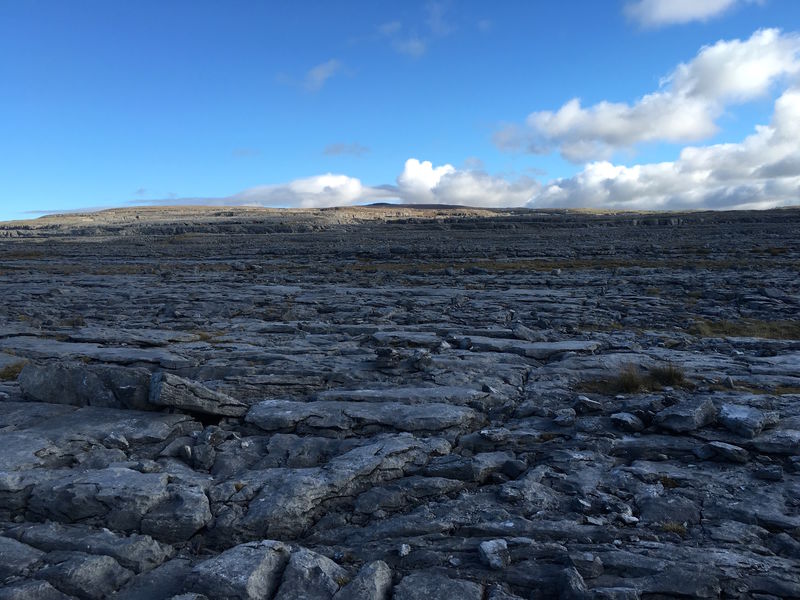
(422, 585)
(668, 509)
(310, 575)
(134, 337)
(627, 422)
(84, 575)
(615, 593)
(250, 571)
(683, 581)
(742, 420)
(137, 552)
(119, 498)
(372, 582)
(277, 415)
(688, 415)
(176, 392)
(77, 384)
(122, 495)
(779, 441)
(179, 517)
(494, 553)
(571, 585)
(729, 452)
(22, 415)
(288, 499)
(35, 347)
(478, 467)
(408, 338)
(407, 395)
(31, 589)
(537, 350)
(402, 492)
(23, 450)
(165, 581)
(137, 427)
(16, 557)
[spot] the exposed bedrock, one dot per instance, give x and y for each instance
(397, 404)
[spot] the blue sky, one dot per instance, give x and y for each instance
(312, 104)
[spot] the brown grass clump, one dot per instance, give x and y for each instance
(667, 374)
(782, 390)
(11, 372)
(674, 527)
(632, 380)
(774, 330)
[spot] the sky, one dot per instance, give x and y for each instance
(630, 104)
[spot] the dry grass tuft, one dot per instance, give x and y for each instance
(11, 372)
(773, 330)
(674, 527)
(631, 380)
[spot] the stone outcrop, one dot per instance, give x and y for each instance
(394, 403)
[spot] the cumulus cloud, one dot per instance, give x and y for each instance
(762, 171)
(422, 183)
(684, 109)
(419, 183)
(658, 13)
(311, 192)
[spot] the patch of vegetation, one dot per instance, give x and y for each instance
(11, 372)
(206, 336)
(541, 265)
(667, 374)
(674, 527)
(668, 482)
(77, 321)
(631, 380)
(782, 390)
(771, 250)
(774, 330)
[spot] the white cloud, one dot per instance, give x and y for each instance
(311, 192)
(422, 183)
(658, 13)
(762, 171)
(684, 109)
(319, 75)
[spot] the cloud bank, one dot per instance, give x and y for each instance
(685, 108)
(763, 171)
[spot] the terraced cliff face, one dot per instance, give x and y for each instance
(400, 403)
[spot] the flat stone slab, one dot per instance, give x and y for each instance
(170, 390)
(537, 350)
(35, 347)
(137, 552)
(406, 395)
(283, 415)
(246, 572)
(137, 427)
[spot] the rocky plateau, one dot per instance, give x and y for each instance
(400, 403)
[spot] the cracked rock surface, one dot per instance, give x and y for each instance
(391, 403)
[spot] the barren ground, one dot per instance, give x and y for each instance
(400, 403)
